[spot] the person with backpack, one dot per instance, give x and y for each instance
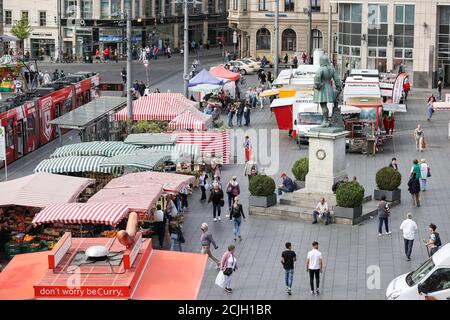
(434, 241)
(237, 214)
(414, 189)
(233, 190)
(383, 215)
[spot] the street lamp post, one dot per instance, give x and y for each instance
(186, 48)
(129, 57)
(277, 26)
(310, 44)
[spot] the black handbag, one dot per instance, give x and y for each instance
(228, 271)
(221, 202)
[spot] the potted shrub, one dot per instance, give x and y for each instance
(300, 170)
(388, 180)
(262, 191)
(349, 199)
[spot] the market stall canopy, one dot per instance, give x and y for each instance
(205, 88)
(174, 98)
(143, 159)
(179, 151)
(6, 38)
(270, 92)
(204, 77)
(89, 113)
(394, 107)
(156, 108)
(13, 284)
(82, 213)
(191, 119)
(75, 164)
(221, 72)
(365, 101)
(151, 139)
(95, 148)
(41, 189)
(214, 144)
(137, 197)
(171, 182)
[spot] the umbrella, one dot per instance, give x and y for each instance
(6, 38)
(205, 88)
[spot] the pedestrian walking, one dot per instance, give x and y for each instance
(434, 241)
(409, 228)
(176, 234)
(206, 240)
(247, 148)
(203, 182)
(251, 168)
(383, 215)
(160, 224)
(18, 86)
(247, 115)
(288, 258)
(240, 114)
(237, 214)
(142, 88)
(216, 197)
(322, 211)
(394, 164)
(419, 137)
(314, 266)
(55, 75)
(123, 74)
(171, 208)
(231, 112)
(229, 266)
(424, 174)
(233, 190)
(169, 53)
(184, 197)
(406, 88)
(439, 87)
(295, 62)
(430, 110)
(414, 189)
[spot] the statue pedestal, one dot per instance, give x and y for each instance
(326, 160)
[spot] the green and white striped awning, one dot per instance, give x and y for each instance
(180, 150)
(151, 139)
(143, 159)
(95, 148)
(75, 164)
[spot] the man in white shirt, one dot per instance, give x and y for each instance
(160, 225)
(322, 211)
(314, 266)
(409, 228)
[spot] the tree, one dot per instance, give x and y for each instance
(22, 30)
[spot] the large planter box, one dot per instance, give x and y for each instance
(299, 184)
(391, 196)
(349, 213)
(263, 201)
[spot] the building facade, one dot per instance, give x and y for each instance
(384, 34)
(90, 24)
(42, 17)
(254, 22)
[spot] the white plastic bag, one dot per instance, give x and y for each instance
(220, 279)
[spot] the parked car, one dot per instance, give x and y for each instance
(243, 67)
(431, 279)
(251, 63)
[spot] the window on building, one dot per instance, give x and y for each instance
(42, 18)
(86, 9)
(315, 5)
(289, 5)
(263, 39)
(166, 8)
(244, 5)
(404, 36)
(116, 8)
(235, 5)
(377, 25)
(24, 15)
(444, 36)
(8, 17)
(137, 9)
(288, 40)
(317, 39)
(104, 9)
(149, 8)
(70, 8)
(349, 35)
(262, 5)
(212, 6)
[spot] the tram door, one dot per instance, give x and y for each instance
(57, 115)
(20, 142)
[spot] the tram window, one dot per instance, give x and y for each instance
(30, 124)
(80, 100)
(9, 134)
(68, 105)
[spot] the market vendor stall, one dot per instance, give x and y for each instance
(151, 139)
(191, 119)
(150, 108)
(142, 160)
(95, 148)
(221, 72)
(41, 189)
(75, 164)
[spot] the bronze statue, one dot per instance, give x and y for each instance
(324, 93)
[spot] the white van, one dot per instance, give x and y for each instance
(432, 278)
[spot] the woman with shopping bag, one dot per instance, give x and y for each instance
(228, 266)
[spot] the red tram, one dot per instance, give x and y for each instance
(26, 116)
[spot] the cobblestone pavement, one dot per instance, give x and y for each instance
(348, 251)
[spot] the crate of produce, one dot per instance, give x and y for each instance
(11, 249)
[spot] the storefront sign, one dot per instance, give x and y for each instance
(2, 144)
(41, 34)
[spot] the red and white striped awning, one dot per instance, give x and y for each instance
(147, 108)
(191, 119)
(216, 144)
(175, 97)
(80, 213)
